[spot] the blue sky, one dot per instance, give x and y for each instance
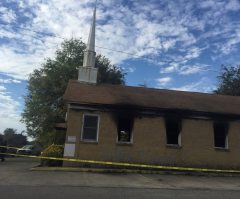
(173, 44)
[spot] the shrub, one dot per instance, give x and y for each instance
(55, 151)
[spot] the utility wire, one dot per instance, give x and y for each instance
(38, 32)
(118, 51)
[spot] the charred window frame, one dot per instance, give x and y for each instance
(220, 134)
(124, 128)
(173, 127)
(90, 128)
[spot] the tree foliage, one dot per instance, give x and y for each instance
(44, 104)
(229, 81)
(13, 138)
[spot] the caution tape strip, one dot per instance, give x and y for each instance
(128, 164)
(10, 147)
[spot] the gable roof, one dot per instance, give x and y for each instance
(107, 94)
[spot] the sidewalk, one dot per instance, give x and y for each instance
(16, 171)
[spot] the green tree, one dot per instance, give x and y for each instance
(44, 106)
(229, 81)
(9, 132)
(13, 138)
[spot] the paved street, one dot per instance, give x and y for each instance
(37, 192)
(17, 181)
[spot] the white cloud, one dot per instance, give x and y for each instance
(130, 69)
(207, 4)
(170, 69)
(222, 26)
(144, 30)
(178, 63)
(163, 81)
(194, 52)
(193, 69)
(6, 34)
(203, 85)
(2, 88)
(7, 15)
(9, 81)
(9, 114)
(20, 65)
(122, 28)
(231, 44)
(233, 5)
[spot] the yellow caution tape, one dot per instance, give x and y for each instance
(9, 147)
(127, 164)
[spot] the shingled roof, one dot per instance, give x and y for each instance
(106, 94)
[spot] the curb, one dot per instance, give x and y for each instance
(122, 171)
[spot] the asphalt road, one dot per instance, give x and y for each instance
(17, 181)
(41, 192)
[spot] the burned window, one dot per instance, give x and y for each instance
(125, 125)
(173, 129)
(220, 134)
(90, 127)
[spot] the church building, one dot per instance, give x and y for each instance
(150, 126)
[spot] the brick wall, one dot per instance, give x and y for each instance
(149, 143)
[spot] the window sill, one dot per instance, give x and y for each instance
(124, 143)
(88, 142)
(173, 146)
(221, 149)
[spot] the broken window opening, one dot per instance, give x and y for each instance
(90, 127)
(220, 135)
(125, 126)
(173, 129)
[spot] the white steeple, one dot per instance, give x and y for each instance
(91, 37)
(88, 73)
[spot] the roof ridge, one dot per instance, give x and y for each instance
(158, 89)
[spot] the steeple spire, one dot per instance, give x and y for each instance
(91, 37)
(88, 72)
